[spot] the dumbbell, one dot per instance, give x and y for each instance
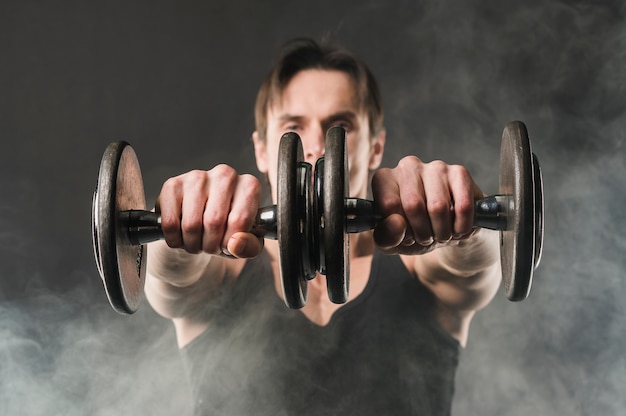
(311, 220)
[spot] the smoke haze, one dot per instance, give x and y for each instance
(178, 80)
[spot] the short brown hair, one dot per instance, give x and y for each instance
(303, 53)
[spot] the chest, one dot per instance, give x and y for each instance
(319, 309)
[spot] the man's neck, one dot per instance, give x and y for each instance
(319, 309)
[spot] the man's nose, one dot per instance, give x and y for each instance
(313, 145)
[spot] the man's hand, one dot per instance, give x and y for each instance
(212, 212)
(423, 205)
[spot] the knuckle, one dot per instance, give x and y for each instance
(213, 222)
(169, 224)
(409, 162)
(438, 207)
(464, 207)
(379, 177)
(191, 226)
(223, 172)
(239, 221)
(438, 166)
(170, 185)
(387, 203)
(461, 173)
(413, 205)
(196, 177)
(460, 169)
(251, 184)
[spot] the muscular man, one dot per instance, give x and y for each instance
(415, 283)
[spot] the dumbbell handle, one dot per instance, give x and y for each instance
(145, 226)
(489, 212)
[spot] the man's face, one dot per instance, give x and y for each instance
(314, 101)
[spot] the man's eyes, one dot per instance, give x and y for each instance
(292, 127)
(344, 124)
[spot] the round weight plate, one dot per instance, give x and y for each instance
(538, 181)
(517, 241)
(308, 240)
(335, 192)
(290, 156)
(318, 215)
(121, 264)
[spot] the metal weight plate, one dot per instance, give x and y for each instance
(539, 210)
(518, 240)
(336, 239)
(294, 282)
(306, 219)
(121, 264)
(318, 215)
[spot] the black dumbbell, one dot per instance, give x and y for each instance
(311, 222)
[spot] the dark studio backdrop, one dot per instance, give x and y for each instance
(178, 80)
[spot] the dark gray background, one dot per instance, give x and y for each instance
(178, 80)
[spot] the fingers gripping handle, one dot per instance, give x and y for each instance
(145, 226)
(490, 212)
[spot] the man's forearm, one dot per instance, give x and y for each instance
(175, 279)
(470, 257)
(175, 266)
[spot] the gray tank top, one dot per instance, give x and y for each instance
(381, 354)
